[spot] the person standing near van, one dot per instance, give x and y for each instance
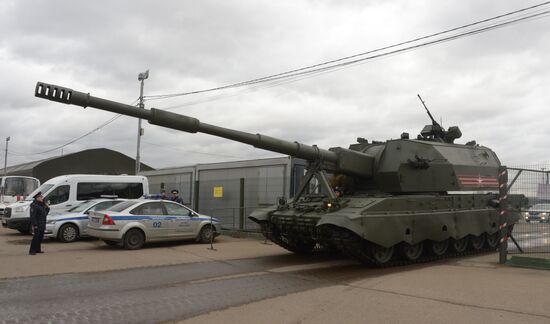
(39, 212)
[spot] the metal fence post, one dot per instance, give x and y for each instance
(234, 220)
(196, 196)
(503, 213)
(241, 205)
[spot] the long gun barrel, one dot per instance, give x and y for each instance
(337, 159)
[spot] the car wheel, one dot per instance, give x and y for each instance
(110, 243)
(68, 233)
(133, 239)
(206, 234)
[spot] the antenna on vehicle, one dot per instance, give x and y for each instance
(437, 131)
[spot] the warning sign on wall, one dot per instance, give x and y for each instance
(218, 192)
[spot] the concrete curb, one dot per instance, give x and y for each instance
(529, 262)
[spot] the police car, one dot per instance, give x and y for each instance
(69, 226)
(135, 222)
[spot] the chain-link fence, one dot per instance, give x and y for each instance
(233, 200)
(235, 218)
(531, 234)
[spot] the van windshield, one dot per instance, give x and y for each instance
(43, 188)
(18, 186)
(541, 207)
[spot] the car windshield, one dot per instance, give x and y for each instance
(43, 188)
(541, 207)
(83, 206)
(123, 205)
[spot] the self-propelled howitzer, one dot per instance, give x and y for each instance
(403, 199)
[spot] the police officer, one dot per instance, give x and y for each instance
(175, 197)
(39, 211)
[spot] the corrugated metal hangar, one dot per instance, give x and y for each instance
(93, 161)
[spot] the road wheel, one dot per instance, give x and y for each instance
(133, 239)
(439, 248)
(412, 252)
(206, 234)
(460, 245)
(493, 239)
(68, 233)
(382, 254)
(110, 243)
(477, 242)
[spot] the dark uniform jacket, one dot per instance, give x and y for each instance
(39, 211)
(177, 199)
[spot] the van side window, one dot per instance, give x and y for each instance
(92, 190)
(58, 195)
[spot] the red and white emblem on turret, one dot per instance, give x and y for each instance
(478, 181)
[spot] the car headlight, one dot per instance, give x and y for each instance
(21, 209)
(543, 214)
(51, 221)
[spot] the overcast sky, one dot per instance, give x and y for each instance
(494, 86)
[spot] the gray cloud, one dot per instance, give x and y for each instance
(492, 85)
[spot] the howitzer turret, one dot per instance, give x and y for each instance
(404, 199)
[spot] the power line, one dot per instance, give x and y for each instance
(313, 69)
(100, 126)
(276, 81)
(410, 48)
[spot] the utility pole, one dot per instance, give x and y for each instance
(141, 77)
(6, 157)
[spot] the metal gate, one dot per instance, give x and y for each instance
(531, 233)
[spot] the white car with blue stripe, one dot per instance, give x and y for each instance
(136, 222)
(71, 225)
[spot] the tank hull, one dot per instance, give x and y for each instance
(362, 224)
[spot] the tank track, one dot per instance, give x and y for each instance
(357, 248)
(353, 246)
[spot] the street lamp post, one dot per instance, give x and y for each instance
(6, 157)
(141, 77)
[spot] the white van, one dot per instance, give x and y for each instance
(64, 192)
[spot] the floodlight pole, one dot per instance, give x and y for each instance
(6, 157)
(141, 77)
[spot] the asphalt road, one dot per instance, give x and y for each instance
(153, 294)
(248, 282)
